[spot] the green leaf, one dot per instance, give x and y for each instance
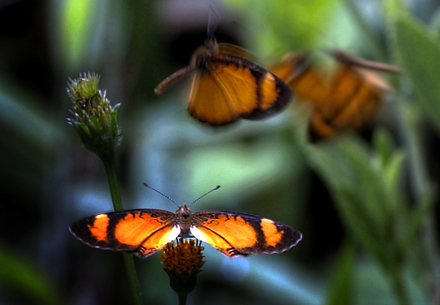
(238, 169)
(75, 27)
(360, 193)
(417, 217)
(394, 6)
(392, 174)
(418, 53)
(95, 123)
(360, 225)
(23, 112)
(383, 145)
(21, 275)
(341, 287)
(301, 122)
(284, 26)
(346, 165)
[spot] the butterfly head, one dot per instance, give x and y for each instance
(201, 54)
(184, 211)
(184, 214)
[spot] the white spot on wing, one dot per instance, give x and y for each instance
(172, 235)
(175, 232)
(197, 234)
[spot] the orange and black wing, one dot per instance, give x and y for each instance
(141, 232)
(230, 87)
(236, 234)
(308, 83)
(347, 100)
(291, 66)
(355, 100)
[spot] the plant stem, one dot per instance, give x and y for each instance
(182, 298)
(399, 287)
(132, 278)
(421, 187)
(110, 170)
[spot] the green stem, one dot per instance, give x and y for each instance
(132, 278)
(182, 298)
(110, 170)
(421, 187)
(399, 287)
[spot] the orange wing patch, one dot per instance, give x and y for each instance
(268, 90)
(127, 229)
(271, 233)
(347, 101)
(226, 233)
(238, 84)
(221, 96)
(236, 234)
(99, 227)
(227, 86)
(139, 231)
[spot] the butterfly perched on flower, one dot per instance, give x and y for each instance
(145, 231)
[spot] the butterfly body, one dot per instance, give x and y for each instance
(145, 231)
(227, 86)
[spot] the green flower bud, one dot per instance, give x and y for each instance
(94, 119)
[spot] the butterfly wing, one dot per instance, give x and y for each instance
(141, 232)
(272, 93)
(210, 101)
(229, 87)
(291, 66)
(348, 100)
(236, 234)
(308, 83)
(358, 100)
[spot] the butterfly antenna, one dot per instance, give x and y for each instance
(166, 196)
(212, 22)
(214, 189)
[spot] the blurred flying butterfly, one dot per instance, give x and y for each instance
(347, 100)
(145, 231)
(226, 85)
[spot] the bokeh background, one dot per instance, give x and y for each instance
(49, 180)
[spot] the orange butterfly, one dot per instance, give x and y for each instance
(227, 86)
(347, 101)
(145, 231)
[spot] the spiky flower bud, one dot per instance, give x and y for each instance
(94, 119)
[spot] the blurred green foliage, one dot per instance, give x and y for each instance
(373, 240)
(417, 52)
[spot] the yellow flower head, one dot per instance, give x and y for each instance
(182, 262)
(184, 258)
